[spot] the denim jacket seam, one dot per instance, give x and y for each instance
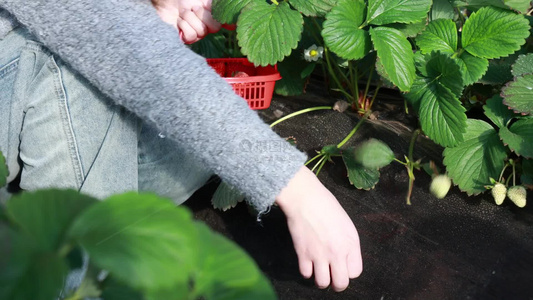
(9, 67)
(61, 94)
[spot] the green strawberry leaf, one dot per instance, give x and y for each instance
(373, 154)
(414, 97)
(341, 31)
(292, 80)
(313, 8)
(476, 4)
(527, 171)
(226, 197)
(211, 46)
(359, 176)
(518, 94)
(47, 215)
(143, 240)
(497, 112)
(479, 157)
(420, 63)
(226, 272)
(523, 65)
(499, 71)
(385, 80)
(442, 9)
(262, 38)
(492, 33)
(382, 12)
(442, 117)
(519, 5)
(445, 70)
(411, 29)
(519, 137)
(26, 272)
(4, 172)
(440, 35)
(114, 290)
(394, 51)
(227, 11)
(472, 68)
(330, 150)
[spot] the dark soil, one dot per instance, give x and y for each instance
(459, 247)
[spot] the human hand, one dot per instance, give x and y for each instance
(324, 237)
(191, 17)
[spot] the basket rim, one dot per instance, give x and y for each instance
(257, 78)
(261, 78)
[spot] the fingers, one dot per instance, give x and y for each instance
(306, 267)
(322, 277)
(339, 275)
(354, 264)
(193, 28)
(187, 33)
(195, 24)
(208, 20)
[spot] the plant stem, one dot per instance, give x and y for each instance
(314, 158)
(330, 69)
(275, 2)
(303, 111)
(316, 165)
(375, 94)
(501, 174)
(349, 136)
(458, 53)
(321, 165)
(367, 86)
(399, 161)
(412, 144)
(355, 81)
(329, 66)
(410, 165)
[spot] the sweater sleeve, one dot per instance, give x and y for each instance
(125, 50)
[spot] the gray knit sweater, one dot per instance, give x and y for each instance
(124, 49)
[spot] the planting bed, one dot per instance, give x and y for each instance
(459, 247)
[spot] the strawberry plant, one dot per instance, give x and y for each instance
(445, 56)
(150, 248)
(508, 136)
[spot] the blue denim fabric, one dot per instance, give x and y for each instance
(56, 130)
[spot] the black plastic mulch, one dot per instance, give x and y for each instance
(459, 247)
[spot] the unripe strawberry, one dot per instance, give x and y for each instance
(440, 185)
(498, 193)
(517, 194)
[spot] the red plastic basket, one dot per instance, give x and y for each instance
(257, 88)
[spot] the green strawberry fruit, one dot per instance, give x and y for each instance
(440, 185)
(498, 193)
(517, 194)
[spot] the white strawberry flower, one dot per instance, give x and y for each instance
(313, 53)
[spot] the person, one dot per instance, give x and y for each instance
(103, 96)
